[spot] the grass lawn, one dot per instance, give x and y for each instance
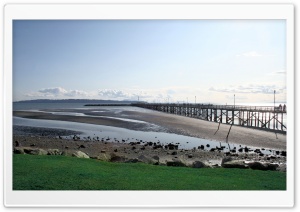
(31, 172)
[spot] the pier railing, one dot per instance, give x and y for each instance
(260, 117)
(223, 107)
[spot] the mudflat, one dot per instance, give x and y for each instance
(172, 124)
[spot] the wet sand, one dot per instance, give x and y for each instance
(171, 124)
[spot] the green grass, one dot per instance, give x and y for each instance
(31, 172)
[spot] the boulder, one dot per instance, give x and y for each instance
(80, 154)
(38, 152)
(240, 164)
(281, 168)
(19, 150)
(262, 166)
(117, 158)
(104, 157)
(28, 150)
(132, 160)
(226, 159)
(199, 164)
(17, 143)
(175, 163)
(146, 159)
(155, 157)
(54, 152)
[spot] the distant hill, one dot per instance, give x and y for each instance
(85, 101)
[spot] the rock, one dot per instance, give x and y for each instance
(81, 146)
(156, 157)
(104, 157)
(146, 159)
(80, 154)
(227, 153)
(175, 163)
(132, 160)
(198, 164)
(271, 157)
(174, 153)
(257, 165)
(102, 151)
(117, 158)
(54, 152)
(38, 152)
(190, 155)
(19, 150)
(172, 147)
(283, 153)
(262, 166)
(281, 168)
(28, 150)
(240, 164)
(272, 166)
(226, 159)
(201, 147)
(67, 153)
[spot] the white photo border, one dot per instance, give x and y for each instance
(145, 198)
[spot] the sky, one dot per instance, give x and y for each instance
(202, 61)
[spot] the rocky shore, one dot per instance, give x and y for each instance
(146, 152)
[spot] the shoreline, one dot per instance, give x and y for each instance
(171, 124)
(137, 150)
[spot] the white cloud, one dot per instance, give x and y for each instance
(57, 92)
(53, 91)
(124, 95)
(115, 94)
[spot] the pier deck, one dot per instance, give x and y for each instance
(259, 117)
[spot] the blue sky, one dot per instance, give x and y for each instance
(153, 60)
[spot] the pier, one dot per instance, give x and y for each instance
(258, 117)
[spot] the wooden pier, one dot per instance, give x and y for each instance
(265, 118)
